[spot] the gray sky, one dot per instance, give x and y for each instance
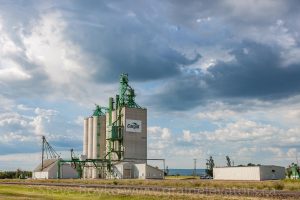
(218, 77)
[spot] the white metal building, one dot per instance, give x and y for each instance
(50, 169)
(255, 173)
(129, 170)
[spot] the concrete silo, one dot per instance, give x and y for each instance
(94, 141)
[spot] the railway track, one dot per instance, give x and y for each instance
(278, 194)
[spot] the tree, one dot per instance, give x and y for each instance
(228, 161)
(18, 173)
(288, 171)
(167, 171)
(210, 164)
(250, 164)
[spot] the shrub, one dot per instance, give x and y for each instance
(115, 182)
(278, 186)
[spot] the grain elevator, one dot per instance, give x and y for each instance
(115, 139)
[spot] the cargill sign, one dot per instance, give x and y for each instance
(133, 125)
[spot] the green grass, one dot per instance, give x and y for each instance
(17, 192)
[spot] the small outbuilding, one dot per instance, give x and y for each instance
(50, 170)
(255, 173)
(128, 170)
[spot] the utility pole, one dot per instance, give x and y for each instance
(195, 167)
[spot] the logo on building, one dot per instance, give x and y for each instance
(133, 125)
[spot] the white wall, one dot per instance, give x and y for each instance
(118, 171)
(40, 175)
(154, 173)
(139, 171)
(256, 173)
(236, 173)
(66, 171)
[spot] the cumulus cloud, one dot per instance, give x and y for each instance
(23, 107)
(216, 115)
(187, 136)
(42, 116)
(39, 60)
(12, 118)
(159, 140)
(244, 138)
(257, 74)
(18, 127)
(22, 127)
(158, 132)
(46, 45)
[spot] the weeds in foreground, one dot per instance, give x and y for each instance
(186, 183)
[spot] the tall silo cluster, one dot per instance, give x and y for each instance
(94, 140)
(114, 134)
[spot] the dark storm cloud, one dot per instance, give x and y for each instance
(232, 12)
(135, 37)
(182, 93)
(256, 72)
(128, 40)
(117, 37)
(144, 38)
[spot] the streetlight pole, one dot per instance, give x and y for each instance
(195, 167)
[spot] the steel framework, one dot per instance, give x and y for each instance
(47, 151)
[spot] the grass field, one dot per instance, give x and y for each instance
(186, 182)
(16, 192)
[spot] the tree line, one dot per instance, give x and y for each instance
(20, 174)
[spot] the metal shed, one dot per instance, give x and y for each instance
(129, 170)
(255, 173)
(50, 169)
